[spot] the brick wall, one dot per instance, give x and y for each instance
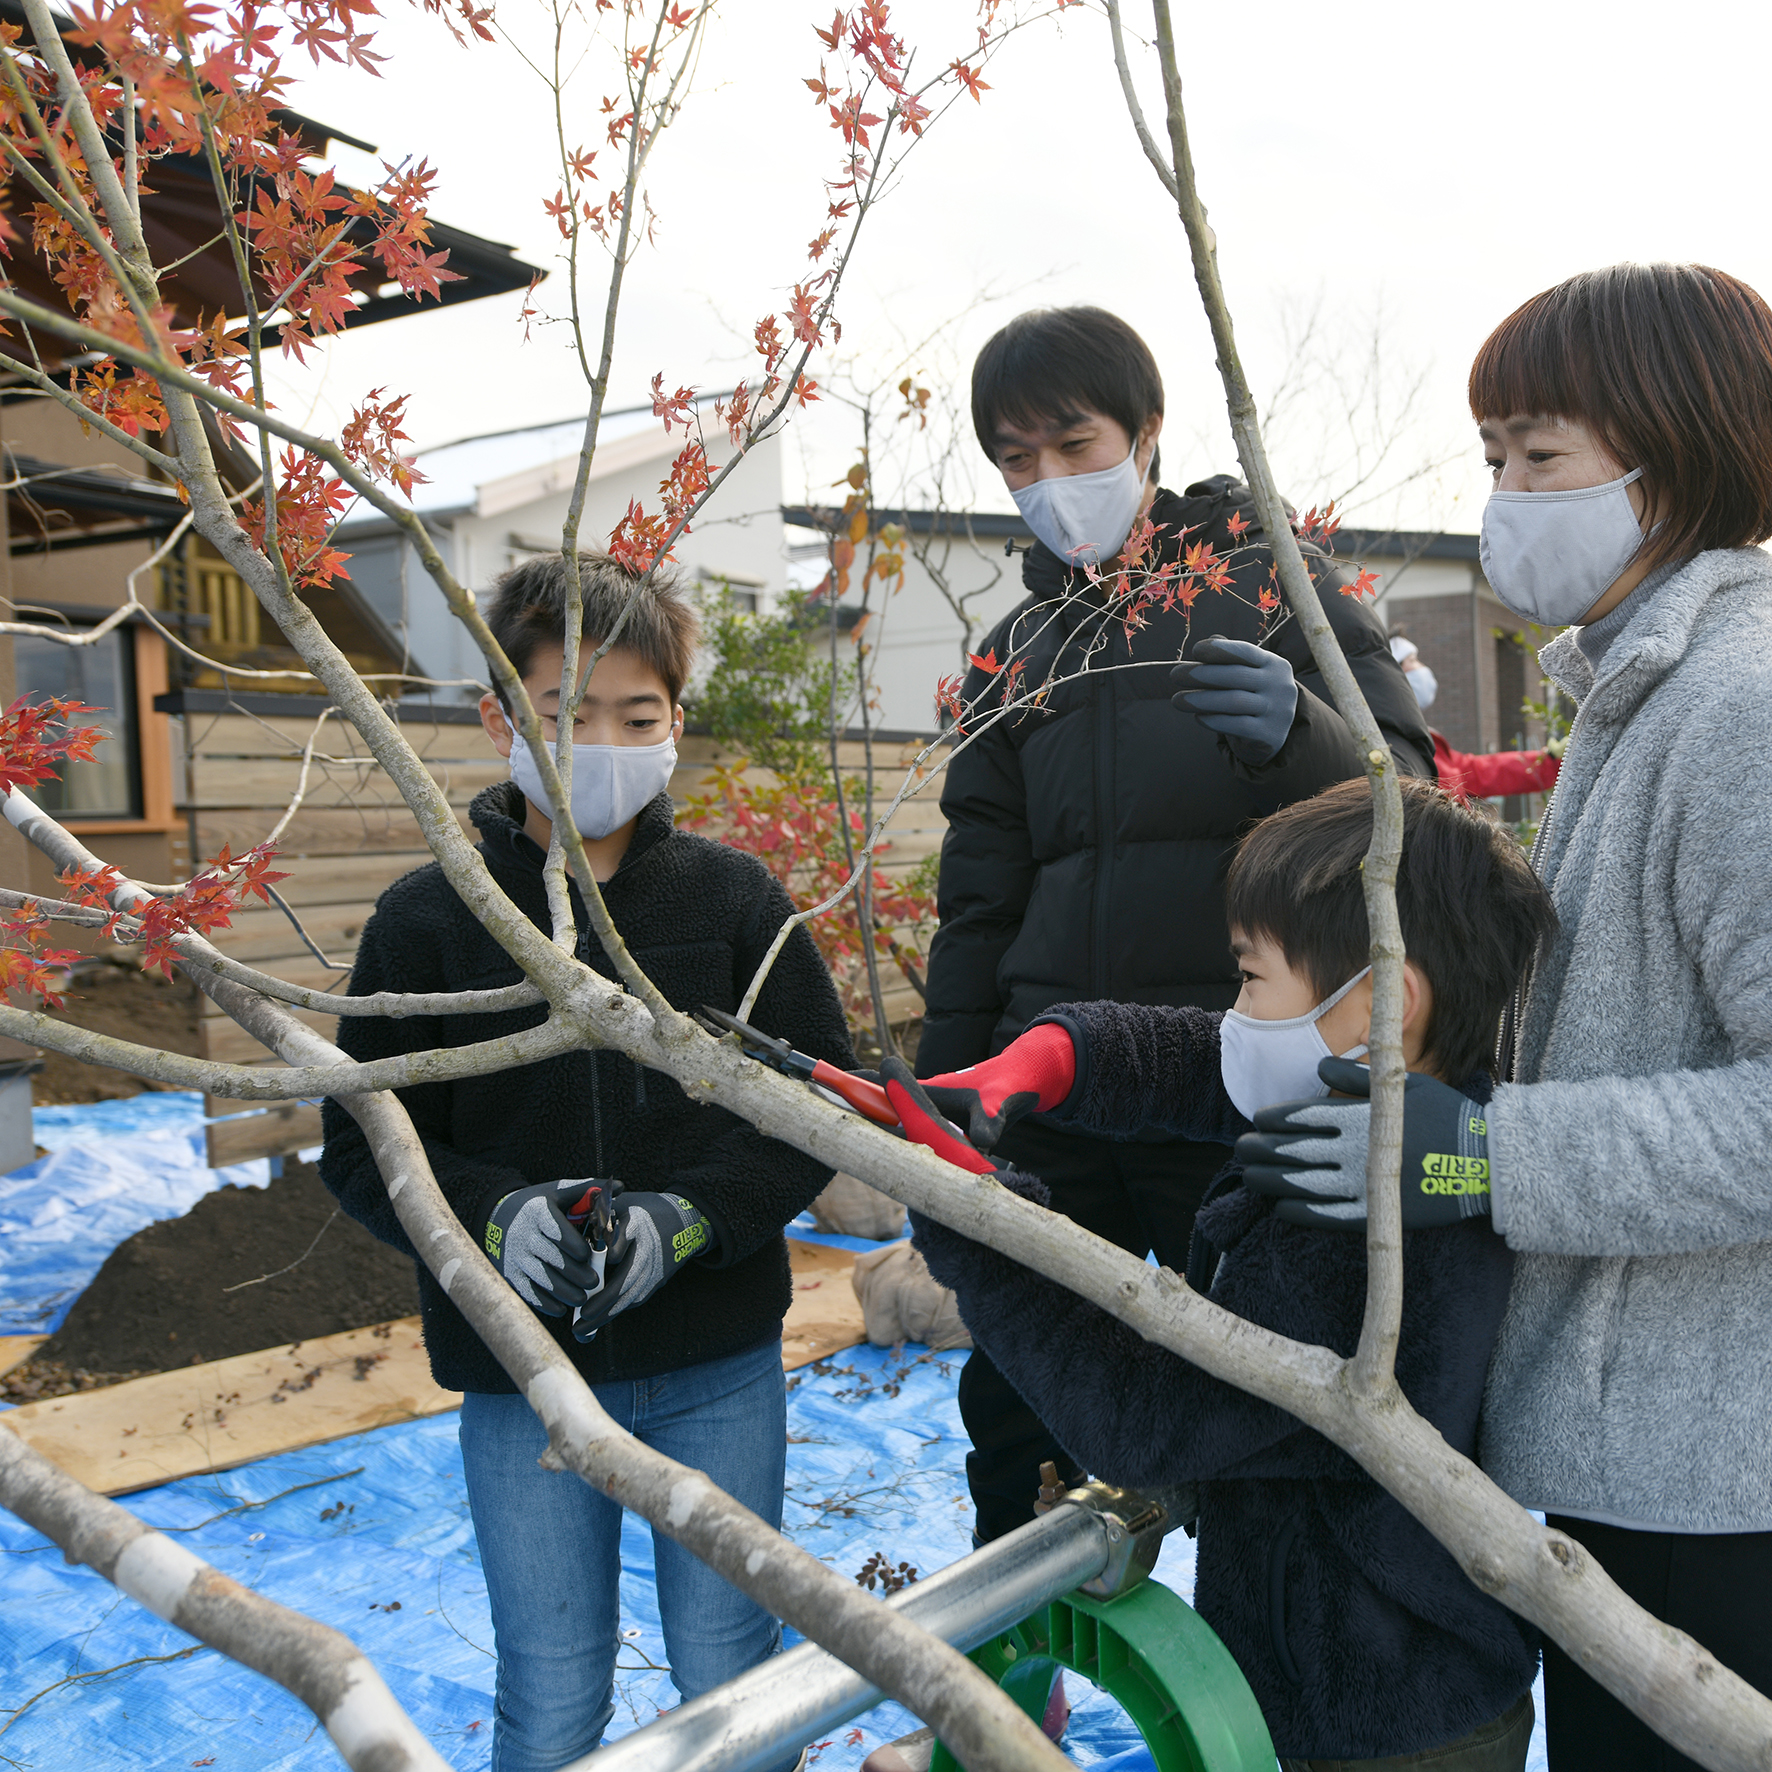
(1441, 627)
(1482, 678)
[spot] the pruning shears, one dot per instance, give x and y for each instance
(591, 1217)
(866, 1098)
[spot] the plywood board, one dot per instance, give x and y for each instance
(230, 1412)
(287, 1126)
(16, 1349)
(825, 1316)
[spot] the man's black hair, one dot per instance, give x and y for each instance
(1051, 365)
(1473, 912)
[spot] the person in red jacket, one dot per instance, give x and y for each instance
(1483, 776)
(1475, 777)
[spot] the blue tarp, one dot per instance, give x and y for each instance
(113, 1167)
(381, 1547)
(372, 1535)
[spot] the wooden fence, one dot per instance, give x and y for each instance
(236, 770)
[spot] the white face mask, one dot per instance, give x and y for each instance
(1425, 684)
(1551, 556)
(1264, 1063)
(1084, 518)
(610, 782)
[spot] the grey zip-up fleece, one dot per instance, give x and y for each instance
(1632, 1153)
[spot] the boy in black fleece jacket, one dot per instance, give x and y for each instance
(1360, 1635)
(695, 1279)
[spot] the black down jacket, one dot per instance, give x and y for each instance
(1087, 840)
(1359, 1633)
(698, 916)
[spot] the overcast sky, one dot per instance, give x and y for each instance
(1408, 173)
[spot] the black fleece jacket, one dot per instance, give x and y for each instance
(1087, 839)
(1358, 1632)
(698, 916)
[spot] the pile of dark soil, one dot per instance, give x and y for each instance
(118, 998)
(163, 1298)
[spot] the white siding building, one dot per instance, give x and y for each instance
(490, 502)
(917, 636)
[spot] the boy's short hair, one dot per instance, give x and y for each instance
(1671, 366)
(529, 603)
(1473, 912)
(1049, 365)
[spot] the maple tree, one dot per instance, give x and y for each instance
(87, 114)
(85, 117)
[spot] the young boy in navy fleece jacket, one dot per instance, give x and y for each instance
(1360, 1635)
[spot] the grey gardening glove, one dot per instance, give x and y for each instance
(1237, 689)
(531, 1240)
(650, 1237)
(1311, 1155)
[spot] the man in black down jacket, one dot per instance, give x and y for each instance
(1087, 839)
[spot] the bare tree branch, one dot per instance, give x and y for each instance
(320, 1666)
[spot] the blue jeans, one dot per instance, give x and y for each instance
(551, 1549)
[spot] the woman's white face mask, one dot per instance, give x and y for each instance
(610, 782)
(1264, 1063)
(1551, 556)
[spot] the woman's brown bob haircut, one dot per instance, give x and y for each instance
(1671, 367)
(1473, 912)
(528, 608)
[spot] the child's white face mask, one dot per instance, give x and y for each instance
(610, 782)
(1264, 1063)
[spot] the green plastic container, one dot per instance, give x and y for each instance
(1152, 1652)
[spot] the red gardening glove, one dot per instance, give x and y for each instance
(922, 1124)
(1032, 1074)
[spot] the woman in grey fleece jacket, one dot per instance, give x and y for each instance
(1630, 1394)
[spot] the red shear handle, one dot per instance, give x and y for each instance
(865, 1097)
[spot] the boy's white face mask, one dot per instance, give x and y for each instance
(610, 782)
(1084, 518)
(1264, 1063)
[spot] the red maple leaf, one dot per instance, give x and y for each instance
(988, 664)
(968, 77)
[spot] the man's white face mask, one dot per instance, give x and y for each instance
(1267, 1062)
(1084, 518)
(610, 782)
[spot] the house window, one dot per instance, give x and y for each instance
(103, 676)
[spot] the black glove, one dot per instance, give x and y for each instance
(533, 1239)
(1311, 1155)
(650, 1237)
(1249, 695)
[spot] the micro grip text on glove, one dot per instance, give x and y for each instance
(1311, 1155)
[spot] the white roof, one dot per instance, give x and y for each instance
(505, 469)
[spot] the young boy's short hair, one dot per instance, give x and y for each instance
(529, 603)
(1050, 365)
(1671, 366)
(1473, 913)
